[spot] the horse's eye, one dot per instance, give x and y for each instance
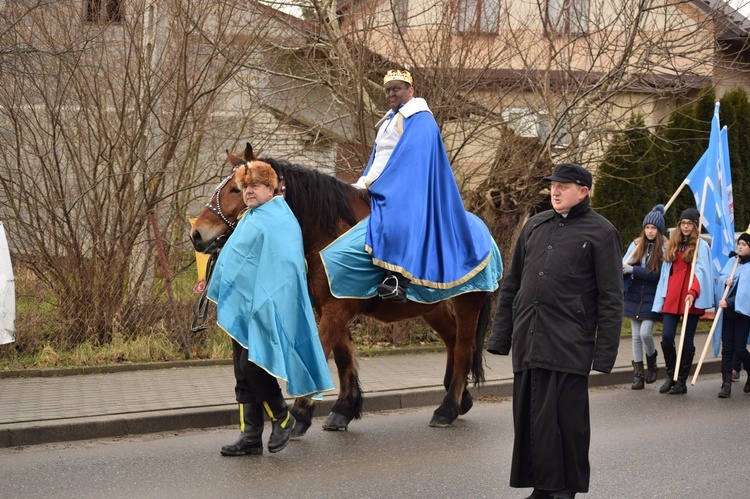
(235, 190)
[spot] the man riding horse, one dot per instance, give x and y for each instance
(418, 231)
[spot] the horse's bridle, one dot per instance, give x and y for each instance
(216, 210)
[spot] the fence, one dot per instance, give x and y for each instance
(54, 331)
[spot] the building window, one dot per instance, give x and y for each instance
(400, 9)
(102, 11)
(478, 16)
(526, 122)
(567, 17)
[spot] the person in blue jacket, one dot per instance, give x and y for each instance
(259, 284)
(418, 231)
(736, 315)
(642, 266)
(675, 292)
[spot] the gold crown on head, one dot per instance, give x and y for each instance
(397, 74)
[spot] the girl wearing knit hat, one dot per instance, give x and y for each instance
(642, 265)
(736, 316)
(673, 295)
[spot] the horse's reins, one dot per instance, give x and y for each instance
(200, 309)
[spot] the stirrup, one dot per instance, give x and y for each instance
(391, 291)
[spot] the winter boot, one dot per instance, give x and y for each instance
(726, 386)
(638, 378)
(686, 362)
(282, 424)
(653, 371)
(670, 359)
(251, 430)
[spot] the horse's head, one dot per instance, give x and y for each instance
(217, 220)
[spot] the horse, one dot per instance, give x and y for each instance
(326, 207)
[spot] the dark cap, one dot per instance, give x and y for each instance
(571, 172)
(691, 214)
(745, 236)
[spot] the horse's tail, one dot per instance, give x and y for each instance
(477, 366)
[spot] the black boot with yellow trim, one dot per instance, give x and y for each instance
(251, 431)
(282, 423)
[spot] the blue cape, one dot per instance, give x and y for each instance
(704, 274)
(259, 284)
(351, 273)
(741, 299)
(418, 226)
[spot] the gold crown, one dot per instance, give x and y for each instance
(397, 74)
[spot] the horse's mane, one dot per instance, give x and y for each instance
(319, 201)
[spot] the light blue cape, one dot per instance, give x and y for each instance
(418, 225)
(741, 300)
(351, 273)
(259, 284)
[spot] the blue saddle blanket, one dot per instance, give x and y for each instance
(351, 273)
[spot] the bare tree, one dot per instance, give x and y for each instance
(104, 115)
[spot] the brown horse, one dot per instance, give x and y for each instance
(326, 208)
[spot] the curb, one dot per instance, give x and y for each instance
(130, 424)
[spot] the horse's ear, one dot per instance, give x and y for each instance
(249, 156)
(234, 160)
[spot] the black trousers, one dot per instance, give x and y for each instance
(552, 431)
(253, 383)
(734, 332)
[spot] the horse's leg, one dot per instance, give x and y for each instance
(334, 321)
(442, 320)
(302, 410)
(468, 341)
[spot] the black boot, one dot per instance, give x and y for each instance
(538, 494)
(670, 359)
(726, 386)
(282, 424)
(638, 378)
(251, 430)
(686, 362)
(393, 287)
(746, 388)
(653, 371)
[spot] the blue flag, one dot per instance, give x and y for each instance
(712, 173)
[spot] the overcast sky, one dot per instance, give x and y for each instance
(741, 5)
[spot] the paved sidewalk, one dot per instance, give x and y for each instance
(44, 409)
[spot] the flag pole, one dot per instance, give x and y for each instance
(690, 281)
(716, 321)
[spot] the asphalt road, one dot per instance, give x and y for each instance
(644, 445)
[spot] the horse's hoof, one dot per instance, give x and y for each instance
(300, 430)
(336, 422)
(439, 421)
